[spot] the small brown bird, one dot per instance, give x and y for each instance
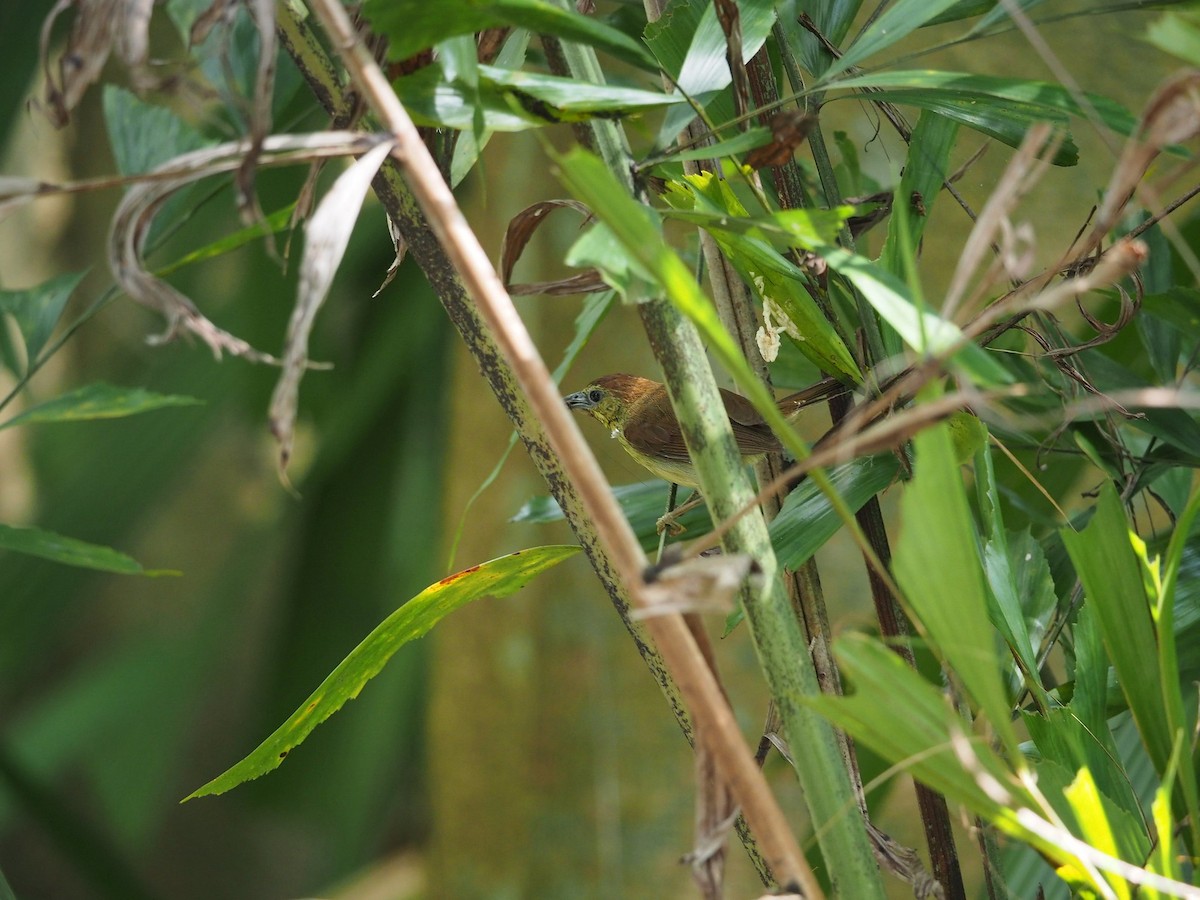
(638, 413)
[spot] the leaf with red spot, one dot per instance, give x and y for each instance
(497, 578)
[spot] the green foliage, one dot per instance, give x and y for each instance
(69, 551)
(36, 312)
(414, 619)
(412, 26)
(1039, 442)
(97, 401)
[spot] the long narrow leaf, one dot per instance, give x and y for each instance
(415, 25)
(937, 564)
(497, 578)
(71, 551)
(1106, 564)
(898, 21)
(98, 401)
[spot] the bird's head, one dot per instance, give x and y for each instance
(608, 398)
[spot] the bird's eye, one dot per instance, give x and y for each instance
(595, 395)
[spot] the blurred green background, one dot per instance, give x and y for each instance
(519, 751)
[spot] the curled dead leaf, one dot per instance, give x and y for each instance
(789, 129)
(517, 236)
(135, 215)
(326, 237)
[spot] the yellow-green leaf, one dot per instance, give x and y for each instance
(497, 578)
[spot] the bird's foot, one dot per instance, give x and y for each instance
(670, 524)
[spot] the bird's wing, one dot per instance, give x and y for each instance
(651, 428)
(740, 410)
(750, 430)
(791, 405)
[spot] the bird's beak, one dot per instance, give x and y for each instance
(578, 400)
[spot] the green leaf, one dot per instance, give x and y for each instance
(643, 503)
(997, 13)
(1061, 738)
(807, 519)
(598, 248)
(741, 143)
(497, 578)
(925, 171)
(922, 330)
(1112, 581)
(1005, 120)
(37, 310)
(938, 567)
(922, 735)
(1175, 426)
(1110, 830)
(773, 277)
(1019, 576)
(1177, 33)
(1179, 721)
(98, 401)
(144, 136)
(898, 21)
(470, 145)
(272, 224)
(1054, 99)
(833, 19)
(688, 41)
(414, 25)
(516, 101)
(71, 551)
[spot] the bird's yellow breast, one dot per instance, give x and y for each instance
(681, 473)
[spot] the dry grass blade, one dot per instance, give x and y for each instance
(1171, 117)
(220, 11)
(326, 236)
(135, 214)
(1020, 174)
(715, 814)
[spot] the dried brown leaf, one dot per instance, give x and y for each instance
(703, 584)
(100, 26)
(401, 246)
(517, 236)
(905, 863)
(588, 282)
(326, 236)
(789, 129)
(88, 46)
